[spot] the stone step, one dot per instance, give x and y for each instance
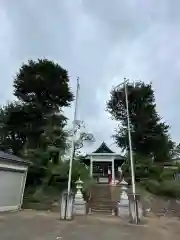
(102, 208)
(99, 193)
(95, 198)
(105, 201)
(101, 199)
(102, 205)
(99, 202)
(100, 188)
(101, 211)
(102, 191)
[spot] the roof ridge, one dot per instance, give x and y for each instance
(103, 148)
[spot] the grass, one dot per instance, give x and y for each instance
(41, 198)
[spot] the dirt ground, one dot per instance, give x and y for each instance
(36, 225)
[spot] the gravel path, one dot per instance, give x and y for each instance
(32, 225)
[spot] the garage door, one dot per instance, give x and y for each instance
(10, 189)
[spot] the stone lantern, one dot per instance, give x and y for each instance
(123, 193)
(79, 203)
(79, 187)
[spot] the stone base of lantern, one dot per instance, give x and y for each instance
(79, 207)
(123, 208)
(123, 204)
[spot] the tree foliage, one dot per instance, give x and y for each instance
(43, 88)
(82, 137)
(34, 125)
(44, 84)
(149, 134)
(12, 128)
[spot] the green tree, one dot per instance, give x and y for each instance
(34, 125)
(54, 138)
(150, 136)
(43, 87)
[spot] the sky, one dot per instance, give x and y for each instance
(101, 42)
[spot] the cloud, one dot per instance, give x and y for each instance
(101, 42)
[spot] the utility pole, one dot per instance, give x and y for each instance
(130, 141)
(130, 147)
(73, 136)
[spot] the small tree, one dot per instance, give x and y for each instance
(175, 153)
(82, 137)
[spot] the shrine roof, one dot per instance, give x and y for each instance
(103, 148)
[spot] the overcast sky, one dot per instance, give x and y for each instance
(101, 41)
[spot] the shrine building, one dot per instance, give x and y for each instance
(104, 162)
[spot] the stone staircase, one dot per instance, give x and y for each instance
(100, 201)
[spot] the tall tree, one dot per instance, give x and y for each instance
(35, 124)
(149, 134)
(43, 87)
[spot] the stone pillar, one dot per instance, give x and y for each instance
(66, 206)
(79, 203)
(113, 173)
(136, 212)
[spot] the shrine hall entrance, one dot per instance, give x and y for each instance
(103, 164)
(101, 170)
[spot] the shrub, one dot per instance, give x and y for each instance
(167, 174)
(155, 172)
(144, 168)
(152, 186)
(170, 188)
(38, 195)
(60, 174)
